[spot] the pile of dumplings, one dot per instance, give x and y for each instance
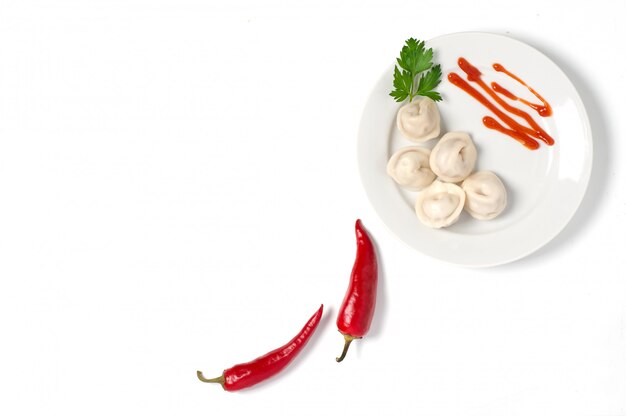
(444, 175)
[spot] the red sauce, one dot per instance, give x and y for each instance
(501, 90)
(526, 135)
(543, 110)
(522, 138)
(521, 131)
(473, 74)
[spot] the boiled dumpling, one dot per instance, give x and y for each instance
(454, 157)
(485, 195)
(440, 204)
(419, 120)
(410, 168)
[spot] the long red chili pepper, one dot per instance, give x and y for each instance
(245, 375)
(357, 309)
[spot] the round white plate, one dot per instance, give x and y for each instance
(545, 186)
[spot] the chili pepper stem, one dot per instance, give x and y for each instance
(202, 378)
(348, 339)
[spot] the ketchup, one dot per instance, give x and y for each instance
(521, 132)
(526, 135)
(543, 110)
(491, 123)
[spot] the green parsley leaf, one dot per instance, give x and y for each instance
(403, 83)
(415, 59)
(428, 82)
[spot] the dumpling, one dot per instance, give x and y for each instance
(485, 195)
(454, 157)
(419, 120)
(440, 204)
(410, 168)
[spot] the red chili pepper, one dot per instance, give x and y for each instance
(245, 375)
(357, 309)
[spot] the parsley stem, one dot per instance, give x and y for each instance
(412, 93)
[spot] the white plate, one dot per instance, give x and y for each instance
(545, 186)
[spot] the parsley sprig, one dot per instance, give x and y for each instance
(414, 60)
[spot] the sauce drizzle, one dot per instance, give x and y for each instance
(526, 135)
(521, 135)
(544, 110)
(491, 123)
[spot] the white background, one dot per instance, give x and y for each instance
(178, 189)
